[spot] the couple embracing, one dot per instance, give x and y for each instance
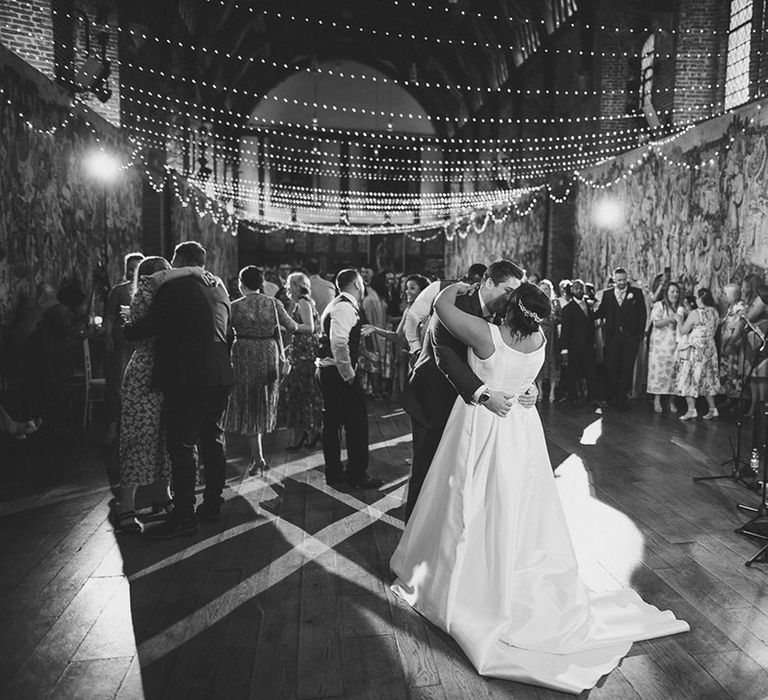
(486, 554)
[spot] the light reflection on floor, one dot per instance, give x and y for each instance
(608, 544)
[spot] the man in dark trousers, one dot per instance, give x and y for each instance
(623, 308)
(190, 321)
(344, 403)
(577, 342)
(441, 374)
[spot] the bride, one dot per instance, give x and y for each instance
(486, 555)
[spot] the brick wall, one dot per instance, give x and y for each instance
(26, 28)
(694, 68)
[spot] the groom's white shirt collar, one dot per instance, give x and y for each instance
(483, 307)
(351, 298)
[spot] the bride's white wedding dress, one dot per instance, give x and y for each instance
(487, 556)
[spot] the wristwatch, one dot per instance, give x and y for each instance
(485, 396)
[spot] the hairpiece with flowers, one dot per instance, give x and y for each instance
(530, 314)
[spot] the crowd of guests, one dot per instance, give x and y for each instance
(660, 340)
(290, 348)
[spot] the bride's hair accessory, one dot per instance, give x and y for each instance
(528, 312)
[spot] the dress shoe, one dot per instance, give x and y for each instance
(258, 467)
(210, 512)
(712, 413)
(367, 482)
(127, 523)
(688, 415)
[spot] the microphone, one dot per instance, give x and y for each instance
(754, 329)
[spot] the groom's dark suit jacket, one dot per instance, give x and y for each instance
(191, 325)
(441, 371)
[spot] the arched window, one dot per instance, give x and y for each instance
(647, 56)
(739, 51)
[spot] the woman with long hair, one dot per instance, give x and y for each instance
(550, 370)
(666, 314)
(301, 404)
(698, 370)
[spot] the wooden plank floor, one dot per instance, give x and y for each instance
(288, 597)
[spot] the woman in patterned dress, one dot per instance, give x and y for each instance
(301, 404)
(373, 349)
(698, 370)
(666, 314)
(144, 459)
(550, 370)
(731, 345)
(256, 319)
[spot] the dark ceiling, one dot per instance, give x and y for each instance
(467, 45)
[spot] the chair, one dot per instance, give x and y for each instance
(95, 389)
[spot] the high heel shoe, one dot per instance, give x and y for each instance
(302, 441)
(258, 467)
(127, 523)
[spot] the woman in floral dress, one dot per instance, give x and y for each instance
(731, 345)
(666, 314)
(256, 319)
(698, 373)
(301, 404)
(144, 459)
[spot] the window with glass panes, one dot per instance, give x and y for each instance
(739, 50)
(646, 72)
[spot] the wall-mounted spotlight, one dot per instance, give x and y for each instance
(92, 75)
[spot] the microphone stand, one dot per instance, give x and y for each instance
(758, 525)
(738, 462)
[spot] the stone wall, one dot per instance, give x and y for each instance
(52, 211)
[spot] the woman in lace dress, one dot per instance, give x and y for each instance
(666, 314)
(698, 373)
(301, 404)
(144, 458)
(256, 319)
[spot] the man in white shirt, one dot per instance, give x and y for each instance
(322, 291)
(344, 404)
(421, 309)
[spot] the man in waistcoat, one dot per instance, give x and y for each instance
(344, 403)
(623, 308)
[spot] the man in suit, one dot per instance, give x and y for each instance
(344, 404)
(441, 373)
(190, 321)
(623, 308)
(577, 340)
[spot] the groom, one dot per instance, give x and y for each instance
(441, 373)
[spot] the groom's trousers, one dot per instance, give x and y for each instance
(344, 406)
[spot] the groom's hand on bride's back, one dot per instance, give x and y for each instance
(499, 402)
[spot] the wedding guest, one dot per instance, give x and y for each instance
(756, 302)
(301, 404)
(414, 285)
(257, 319)
(54, 352)
(144, 459)
(666, 314)
(372, 357)
(550, 370)
(577, 344)
(624, 312)
(190, 320)
(322, 290)
(731, 345)
(698, 370)
(118, 348)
